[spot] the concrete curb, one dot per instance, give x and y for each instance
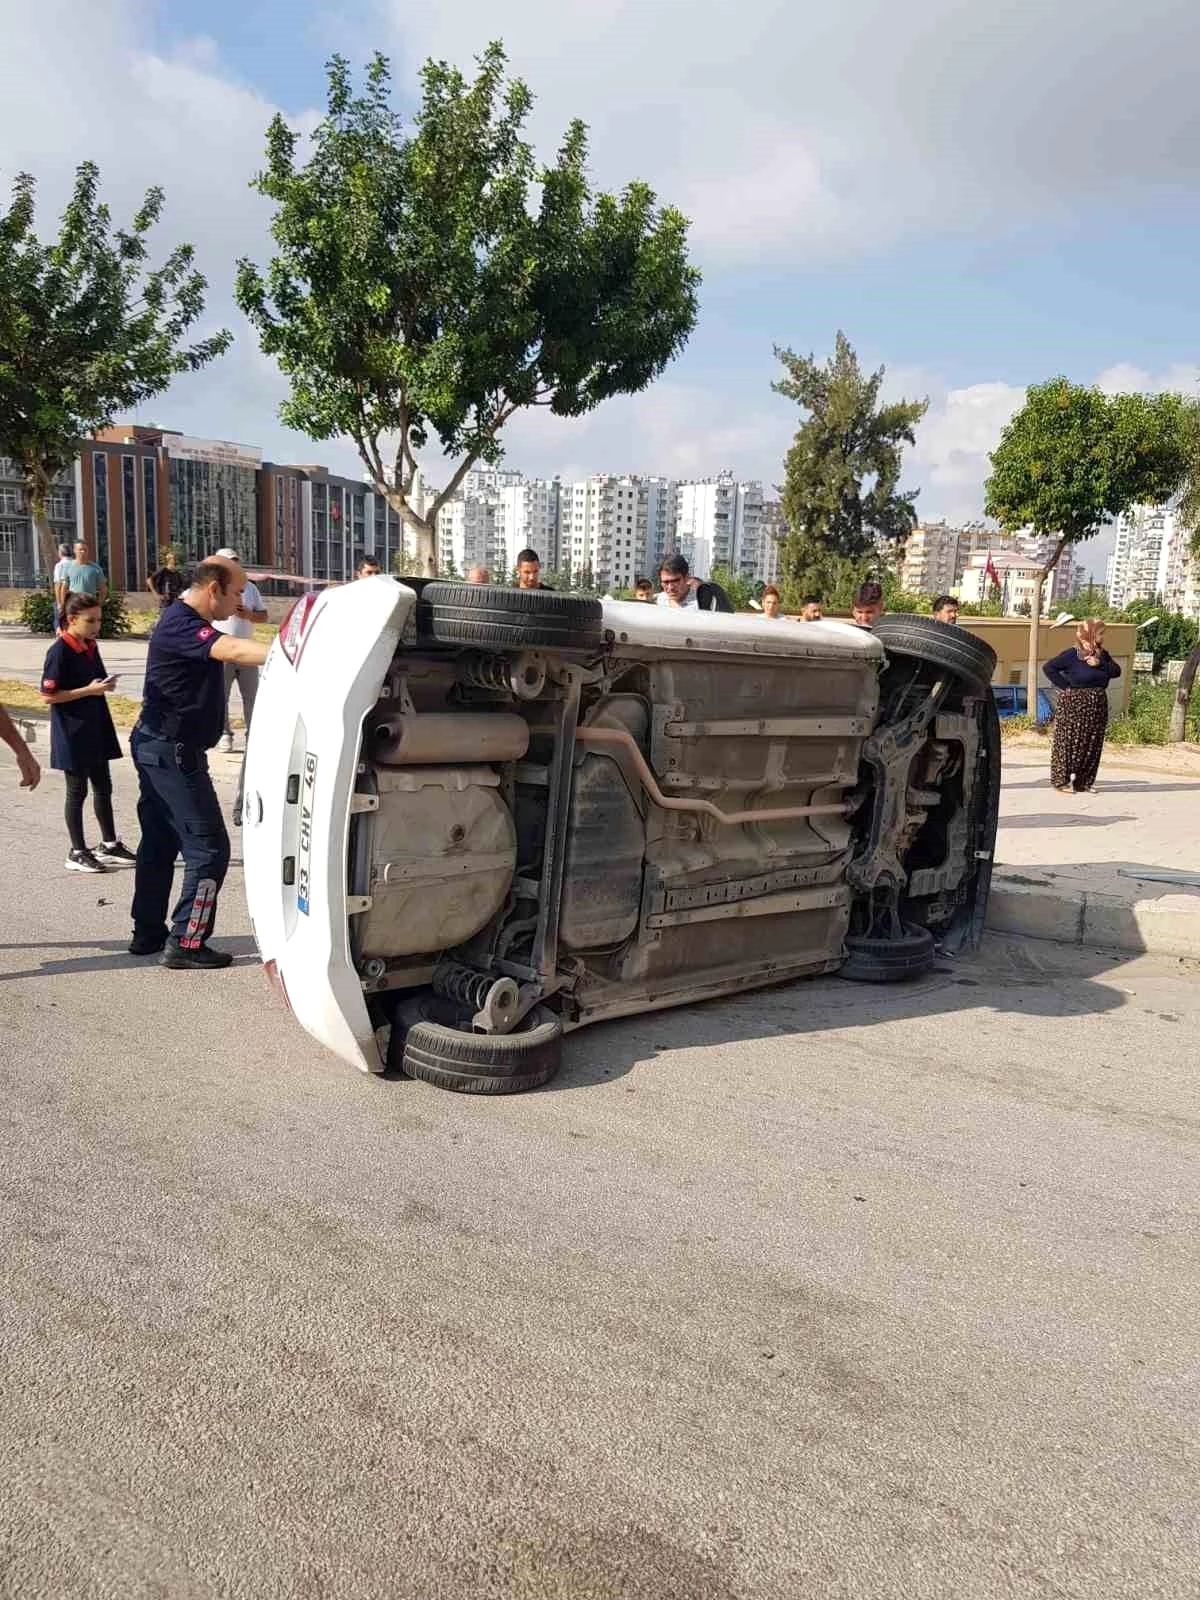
(1038, 905)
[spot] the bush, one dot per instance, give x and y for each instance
(37, 613)
(1149, 716)
(1010, 726)
(114, 617)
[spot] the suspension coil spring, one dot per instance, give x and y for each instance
(467, 987)
(485, 672)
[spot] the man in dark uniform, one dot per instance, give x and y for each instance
(183, 716)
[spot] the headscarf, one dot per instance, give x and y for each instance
(1089, 638)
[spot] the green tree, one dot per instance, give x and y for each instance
(1189, 511)
(433, 281)
(1073, 458)
(1169, 634)
(841, 494)
(87, 329)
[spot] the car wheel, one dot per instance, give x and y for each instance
(488, 618)
(888, 960)
(427, 1044)
(940, 644)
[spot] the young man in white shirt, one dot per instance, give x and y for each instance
(59, 584)
(241, 626)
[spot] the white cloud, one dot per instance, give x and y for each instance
(809, 130)
(179, 122)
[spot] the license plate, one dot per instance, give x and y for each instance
(308, 783)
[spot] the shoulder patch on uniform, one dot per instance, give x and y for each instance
(50, 684)
(205, 633)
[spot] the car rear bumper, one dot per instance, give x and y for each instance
(302, 764)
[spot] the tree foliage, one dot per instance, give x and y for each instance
(841, 495)
(430, 282)
(1073, 458)
(87, 329)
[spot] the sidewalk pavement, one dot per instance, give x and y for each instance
(1072, 868)
(22, 655)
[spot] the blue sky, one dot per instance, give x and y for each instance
(980, 197)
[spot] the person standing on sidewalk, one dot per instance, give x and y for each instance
(183, 712)
(84, 576)
(167, 583)
(59, 584)
(27, 763)
(241, 626)
(82, 738)
(1082, 674)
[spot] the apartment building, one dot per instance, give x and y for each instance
(531, 511)
(20, 559)
(933, 558)
(661, 504)
(470, 533)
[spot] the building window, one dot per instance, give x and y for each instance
(150, 502)
(100, 513)
(128, 495)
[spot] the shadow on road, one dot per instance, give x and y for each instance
(1029, 977)
(1063, 819)
(1128, 786)
(110, 956)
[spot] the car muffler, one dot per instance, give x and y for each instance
(449, 738)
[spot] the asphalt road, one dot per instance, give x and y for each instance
(831, 1292)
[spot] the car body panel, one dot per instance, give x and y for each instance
(308, 727)
(703, 805)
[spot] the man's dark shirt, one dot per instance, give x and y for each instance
(184, 693)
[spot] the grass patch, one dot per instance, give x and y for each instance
(1011, 726)
(17, 697)
(1149, 716)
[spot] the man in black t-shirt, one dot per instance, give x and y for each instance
(167, 583)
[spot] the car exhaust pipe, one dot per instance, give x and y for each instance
(628, 744)
(449, 739)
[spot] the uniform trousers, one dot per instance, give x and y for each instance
(179, 814)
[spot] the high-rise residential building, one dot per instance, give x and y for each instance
(930, 563)
(603, 522)
(1144, 560)
(718, 523)
(20, 559)
(661, 498)
(470, 529)
(531, 511)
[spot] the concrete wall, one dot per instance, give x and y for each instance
(1009, 638)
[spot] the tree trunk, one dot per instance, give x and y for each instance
(1034, 673)
(423, 530)
(1183, 693)
(1034, 669)
(47, 548)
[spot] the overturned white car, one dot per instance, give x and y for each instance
(477, 818)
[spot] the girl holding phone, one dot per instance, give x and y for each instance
(83, 739)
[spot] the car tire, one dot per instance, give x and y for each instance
(888, 960)
(940, 644)
(427, 1044)
(488, 618)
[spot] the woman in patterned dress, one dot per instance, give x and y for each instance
(1082, 675)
